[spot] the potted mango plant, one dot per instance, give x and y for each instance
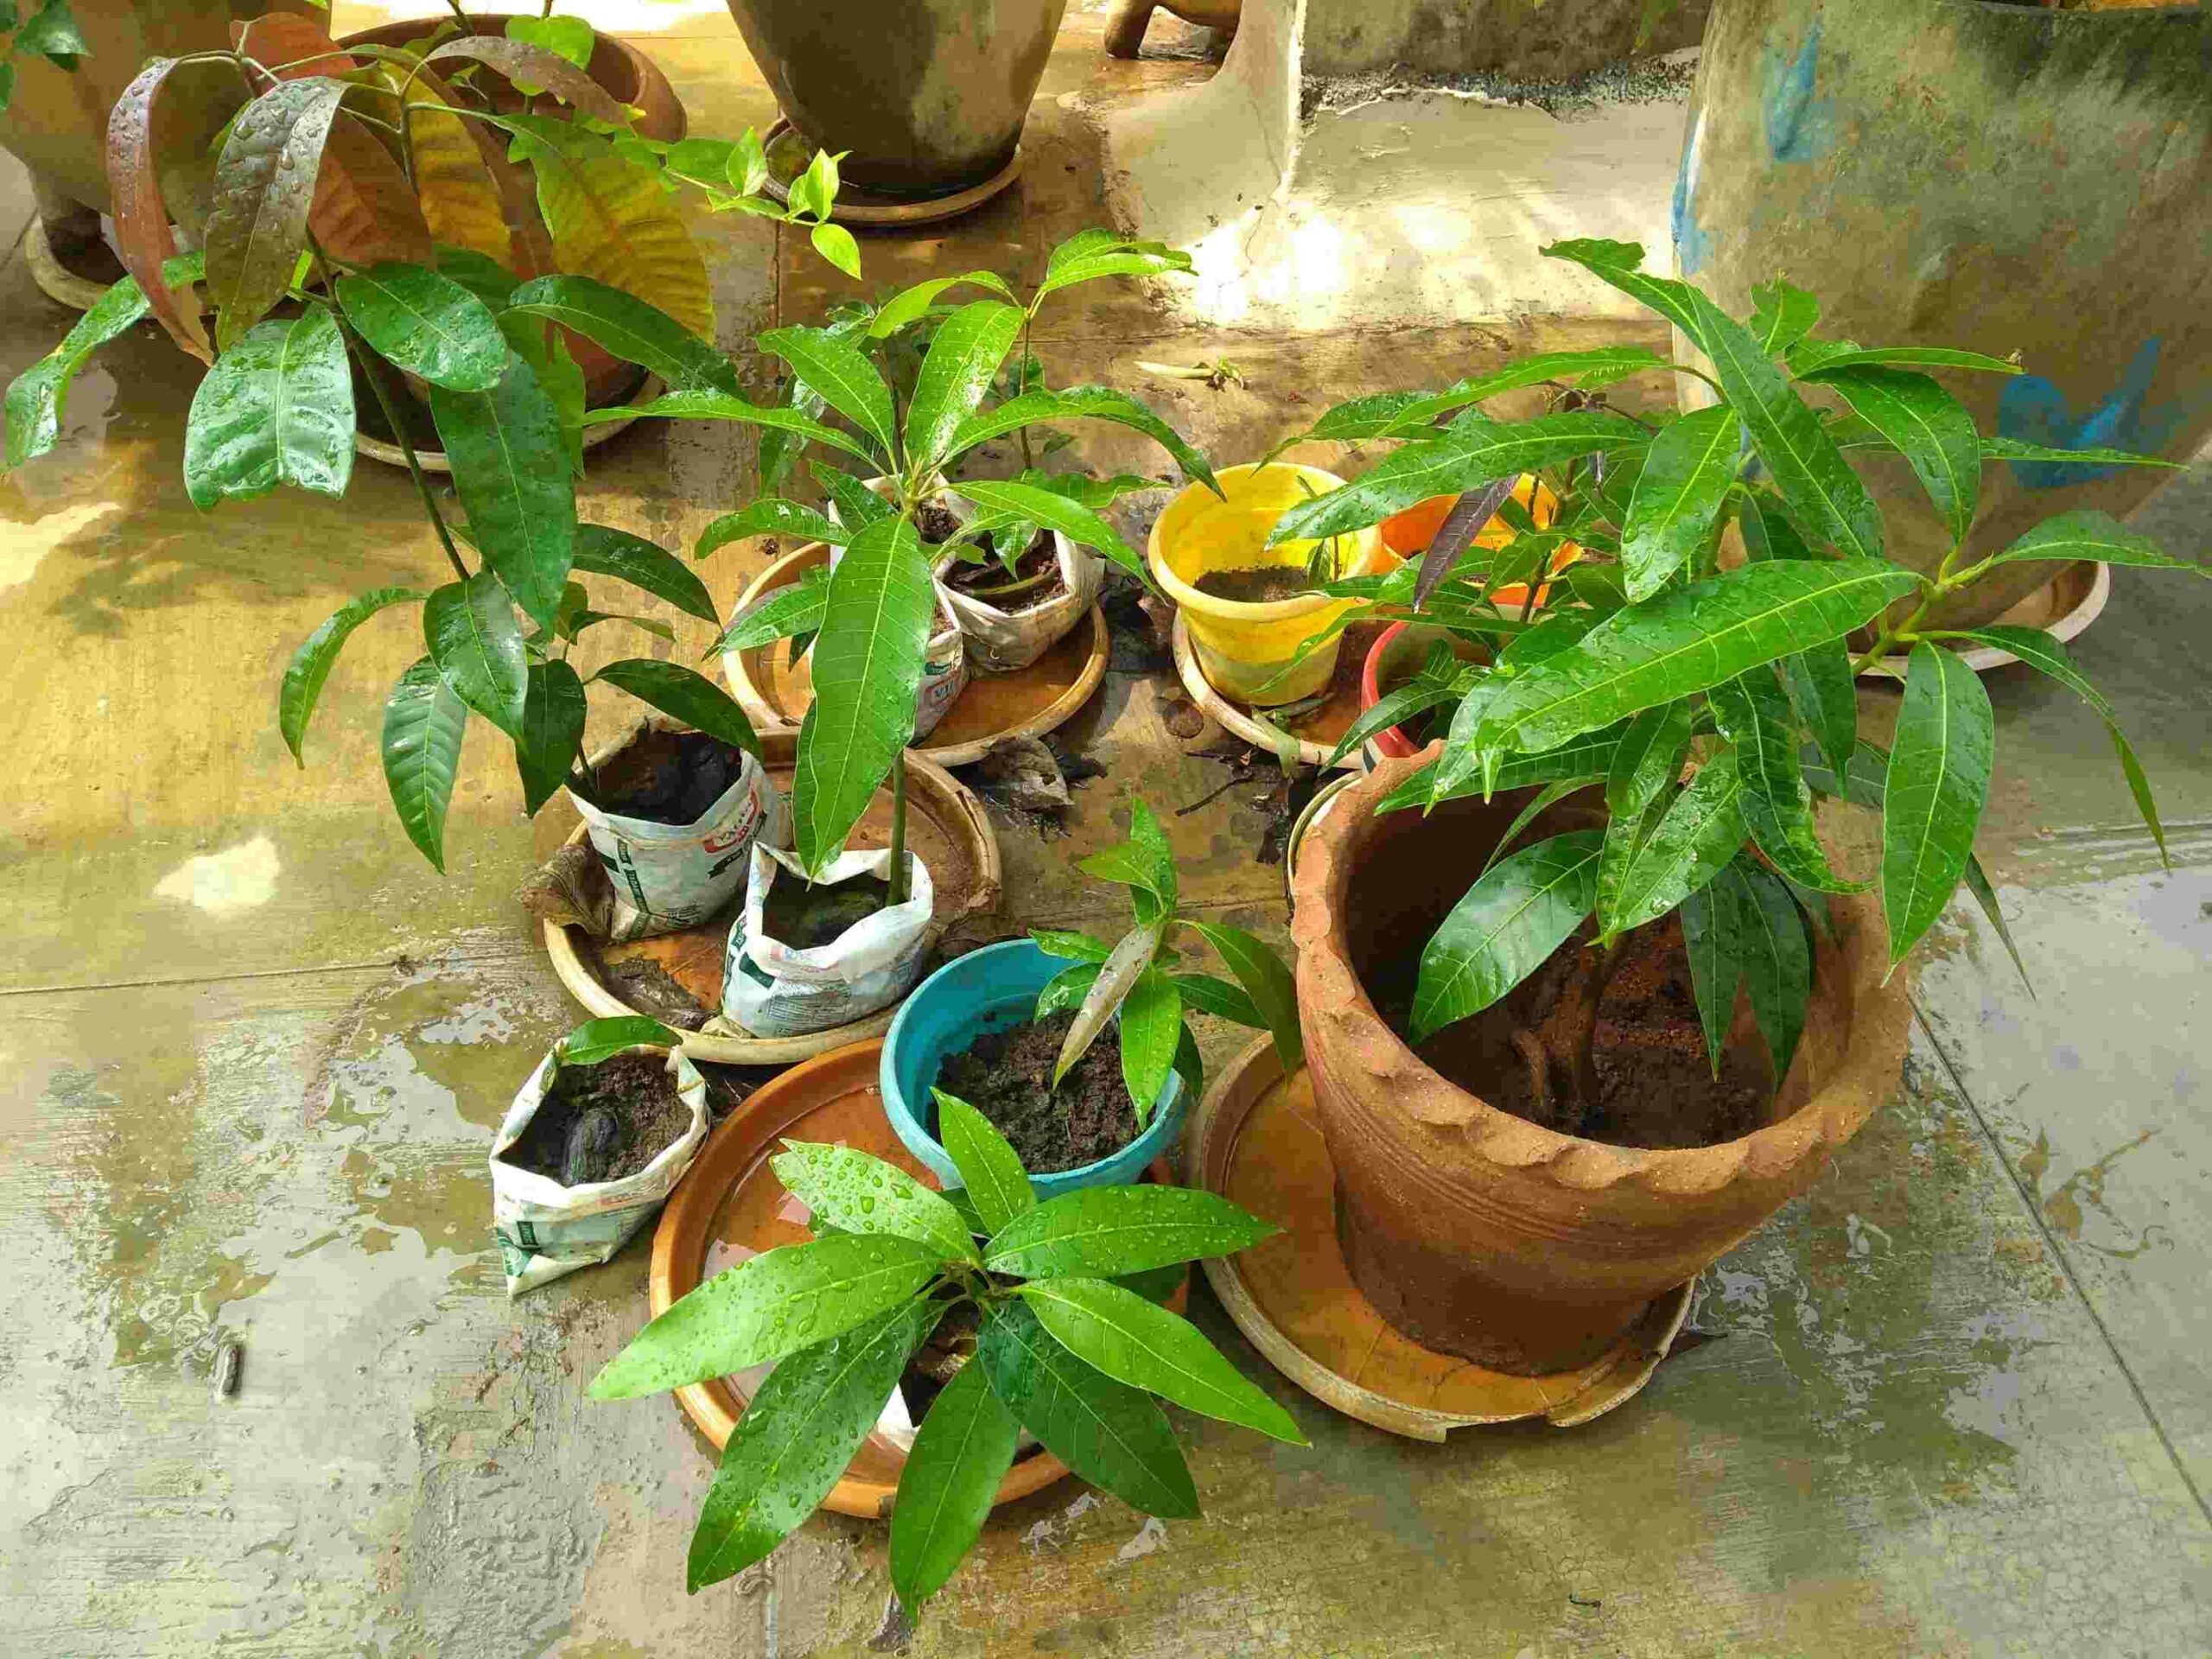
(1648, 1004)
(1079, 1051)
(1047, 1303)
(323, 279)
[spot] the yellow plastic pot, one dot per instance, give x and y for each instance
(1243, 649)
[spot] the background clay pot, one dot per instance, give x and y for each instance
(928, 96)
(1476, 1232)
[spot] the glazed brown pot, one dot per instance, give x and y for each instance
(1476, 1232)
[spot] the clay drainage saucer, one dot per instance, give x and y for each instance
(1256, 1141)
(856, 204)
(731, 1206)
(946, 825)
(1316, 736)
(1028, 703)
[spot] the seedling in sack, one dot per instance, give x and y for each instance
(1070, 1344)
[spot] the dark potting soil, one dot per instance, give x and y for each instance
(803, 915)
(1656, 1089)
(669, 777)
(602, 1122)
(1039, 559)
(1257, 584)
(934, 524)
(1007, 1075)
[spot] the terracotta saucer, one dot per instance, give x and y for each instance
(2062, 607)
(730, 1206)
(1318, 733)
(947, 827)
(1028, 703)
(857, 205)
(1256, 1141)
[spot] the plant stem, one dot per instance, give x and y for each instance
(897, 883)
(1021, 380)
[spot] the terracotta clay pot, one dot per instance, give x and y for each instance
(1476, 1232)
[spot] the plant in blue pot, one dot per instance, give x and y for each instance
(1077, 1050)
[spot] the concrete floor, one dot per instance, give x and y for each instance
(253, 1051)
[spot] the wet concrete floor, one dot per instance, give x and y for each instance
(253, 1050)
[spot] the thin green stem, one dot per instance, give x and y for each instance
(1700, 374)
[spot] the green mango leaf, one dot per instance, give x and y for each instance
(1393, 707)
(769, 1306)
(1828, 701)
(1618, 265)
(815, 191)
(1686, 477)
(1808, 357)
(1266, 979)
(1109, 988)
(836, 244)
(2044, 652)
(423, 724)
(1785, 315)
(602, 551)
(851, 502)
(52, 33)
(1110, 1434)
(748, 163)
(1687, 640)
(1089, 255)
(1777, 957)
(1222, 998)
(963, 359)
(1625, 838)
(1938, 779)
(1152, 1020)
(37, 396)
(1862, 781)
(1069, 989)
(780, 613)
(1585, 760)
(1048, 507)
(1069, 946)
(470, 628)
(966, 1444)
(1926, 425)
(311, 663)
(628, 328)
(1807, 468)
(480, 274)
(769, 515)
(1710, 941)
(858, 1193)
(1520, 912)
(569, 38)
(1402, 414)
(1978, 884)
(1144, 861)
(844, 378)
(264, 184)
(2086, 534)
(1105, 1232)
(1700, 832)
(867, 669)
(552, 732)
(1755, 717)
(712, 405)
(522, 511)
(1083, 402)
(991, 1170)
(427, 324)
(910, 305)
(1460, 460)
(797, 1433)
(1136, 1342)
(1767, 531)
(545, 349)
(1997, 448)
(277, 408)
(602, 1039)
(1550, 795)
(692, 698)
(1648, 758)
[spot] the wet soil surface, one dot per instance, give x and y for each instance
(1656, 1089)
(1040, 559)
(602, 1122)
(669, 777)
(1259, 584)
(803, 916)
(1006, 1076)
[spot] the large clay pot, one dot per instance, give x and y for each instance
(1999, 178)
(927, 96)
(1476, 1232)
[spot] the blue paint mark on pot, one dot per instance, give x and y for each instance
(1693, 242)
(1799, 127)
(2032, 409)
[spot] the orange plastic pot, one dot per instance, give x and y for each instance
(1407, 534)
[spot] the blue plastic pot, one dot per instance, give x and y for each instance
(986, 990)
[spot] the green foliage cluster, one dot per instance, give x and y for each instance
(49, 32)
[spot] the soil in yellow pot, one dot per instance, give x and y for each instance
(1245, 646)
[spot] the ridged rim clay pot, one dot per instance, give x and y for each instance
(927, 96)
(1477, 1233)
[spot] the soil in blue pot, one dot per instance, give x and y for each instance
(1008, 1076)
